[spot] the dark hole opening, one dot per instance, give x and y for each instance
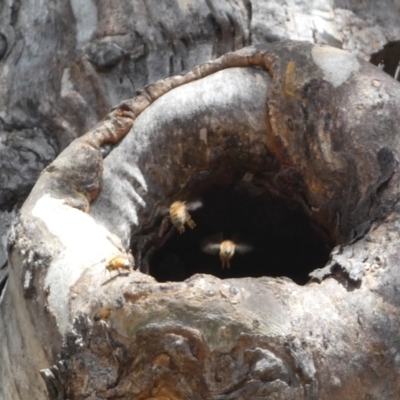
(283, 240)
(388, 58)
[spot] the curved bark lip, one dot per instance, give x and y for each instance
(135, 181)
(81, 245)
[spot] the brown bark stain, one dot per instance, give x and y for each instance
(290, 80)
(161, 392)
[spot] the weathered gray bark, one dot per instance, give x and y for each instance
(62, 68)
(104, 52)
(331, 132)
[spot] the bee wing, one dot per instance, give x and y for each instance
(194, 205)
(163, 211)
(211, 248)
(243, 248)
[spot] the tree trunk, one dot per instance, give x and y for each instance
(301, 138)
(77, 61)
(128, 335)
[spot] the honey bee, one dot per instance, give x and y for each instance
(124, 262)
(178, 212)
(227, 249)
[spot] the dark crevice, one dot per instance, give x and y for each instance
(249, 8)
(235, 32)
(284, 241)
(388, 58)
(171, 65)
(3, 277)
(343, 277)
(3, 46)
(14, 8)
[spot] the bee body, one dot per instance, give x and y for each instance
(227, 249)
(180, 216)
(226, 252)
(124, 262)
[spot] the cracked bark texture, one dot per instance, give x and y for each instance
(62, 68)
(329, 136)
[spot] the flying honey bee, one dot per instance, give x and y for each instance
(227, 249)
(178, 212)
(124, 261)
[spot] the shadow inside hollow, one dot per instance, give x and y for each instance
(283, 239)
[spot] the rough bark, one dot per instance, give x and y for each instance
(62, 68)
(328, 135)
